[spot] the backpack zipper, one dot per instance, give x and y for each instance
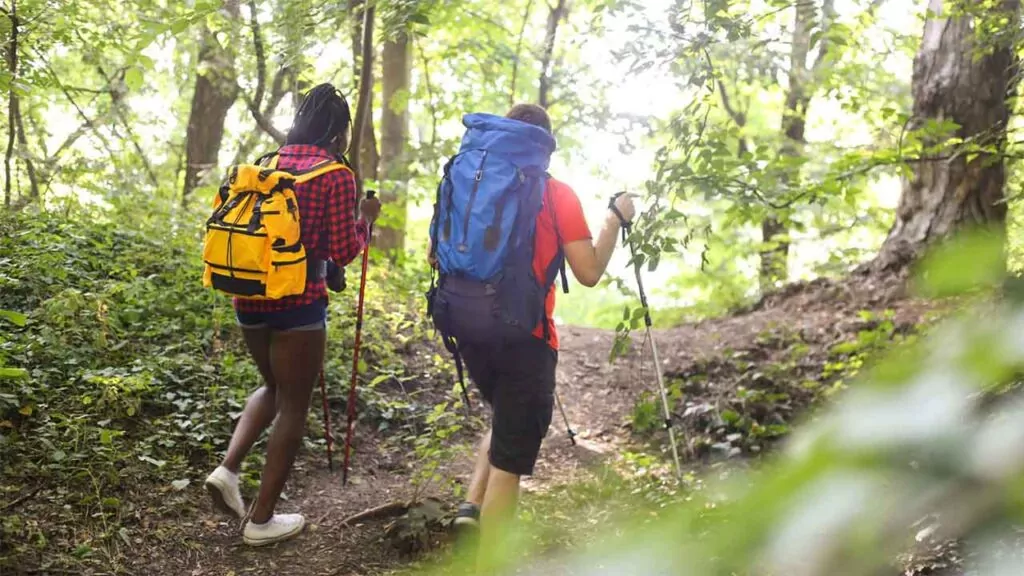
(472, 199)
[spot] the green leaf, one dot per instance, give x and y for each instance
(16, 318)
(730, 416)
(134, 78)
(12, 373)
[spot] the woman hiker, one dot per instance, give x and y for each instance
(287, 337)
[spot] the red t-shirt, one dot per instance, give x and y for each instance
(560, 222)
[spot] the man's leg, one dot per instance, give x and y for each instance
(523, 401)
(499, 508)
(479, 362)
(478, 482)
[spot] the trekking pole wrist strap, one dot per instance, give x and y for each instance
(626, 224)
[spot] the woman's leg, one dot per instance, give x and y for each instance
(296, 358)
(261, 408)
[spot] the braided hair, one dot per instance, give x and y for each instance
(322, 119)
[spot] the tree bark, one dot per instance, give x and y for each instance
(363, 162)
(397, 72)
(555, 17)
(12, 99)
(215, 93)
(955, 80)
(775, 256)
(278, 90)
(367, 161)
(256, 102)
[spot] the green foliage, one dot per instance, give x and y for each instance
(120, 372)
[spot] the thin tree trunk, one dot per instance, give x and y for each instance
(775, 255)
(555, 16)
(117, 106)
(30, 167)
(255, 103)
(519, 53)
(368, 158)
(215, 93)
(12, 99)
(397, 72)
(278, 90)
(364, 106)
(430, 95)
(955, 80)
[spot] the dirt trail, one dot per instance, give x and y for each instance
(598, 398)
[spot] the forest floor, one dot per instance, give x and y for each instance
(790, 344)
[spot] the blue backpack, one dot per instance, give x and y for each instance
(482, 235)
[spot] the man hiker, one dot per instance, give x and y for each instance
(495, 299)
(287, 336)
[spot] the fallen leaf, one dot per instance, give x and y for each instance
(180, 485)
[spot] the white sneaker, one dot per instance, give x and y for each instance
(222, 484)
(279, 528)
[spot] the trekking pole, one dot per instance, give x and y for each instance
(355, 352)
(568, 427)
(328, 437)
(626, 230)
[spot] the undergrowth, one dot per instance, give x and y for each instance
(123, 376)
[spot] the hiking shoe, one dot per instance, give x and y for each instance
(222, 485)
(279, 528)
(467, 516)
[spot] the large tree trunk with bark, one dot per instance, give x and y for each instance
(397, 65)
(215, 93)
(955, 79)
(367, 160)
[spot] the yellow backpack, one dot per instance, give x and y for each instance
(253, 246)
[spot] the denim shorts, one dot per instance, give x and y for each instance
(308, 317)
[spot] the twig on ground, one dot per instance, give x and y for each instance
(19, 500)
(385, 511)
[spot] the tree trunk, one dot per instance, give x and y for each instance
(215, 93)
(367, 161)
(519, 53)
(12, 99)
(955, 80)
(555, 17)
(397, 63)
(775, 255)
(30, 167)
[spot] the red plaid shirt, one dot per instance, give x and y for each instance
(329, 228)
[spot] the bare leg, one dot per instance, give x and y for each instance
(295, 359)
(478, 482)
(499, 509)
(260, 408)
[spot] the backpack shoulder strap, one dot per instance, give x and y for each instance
(557, 265)
(318, 170)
